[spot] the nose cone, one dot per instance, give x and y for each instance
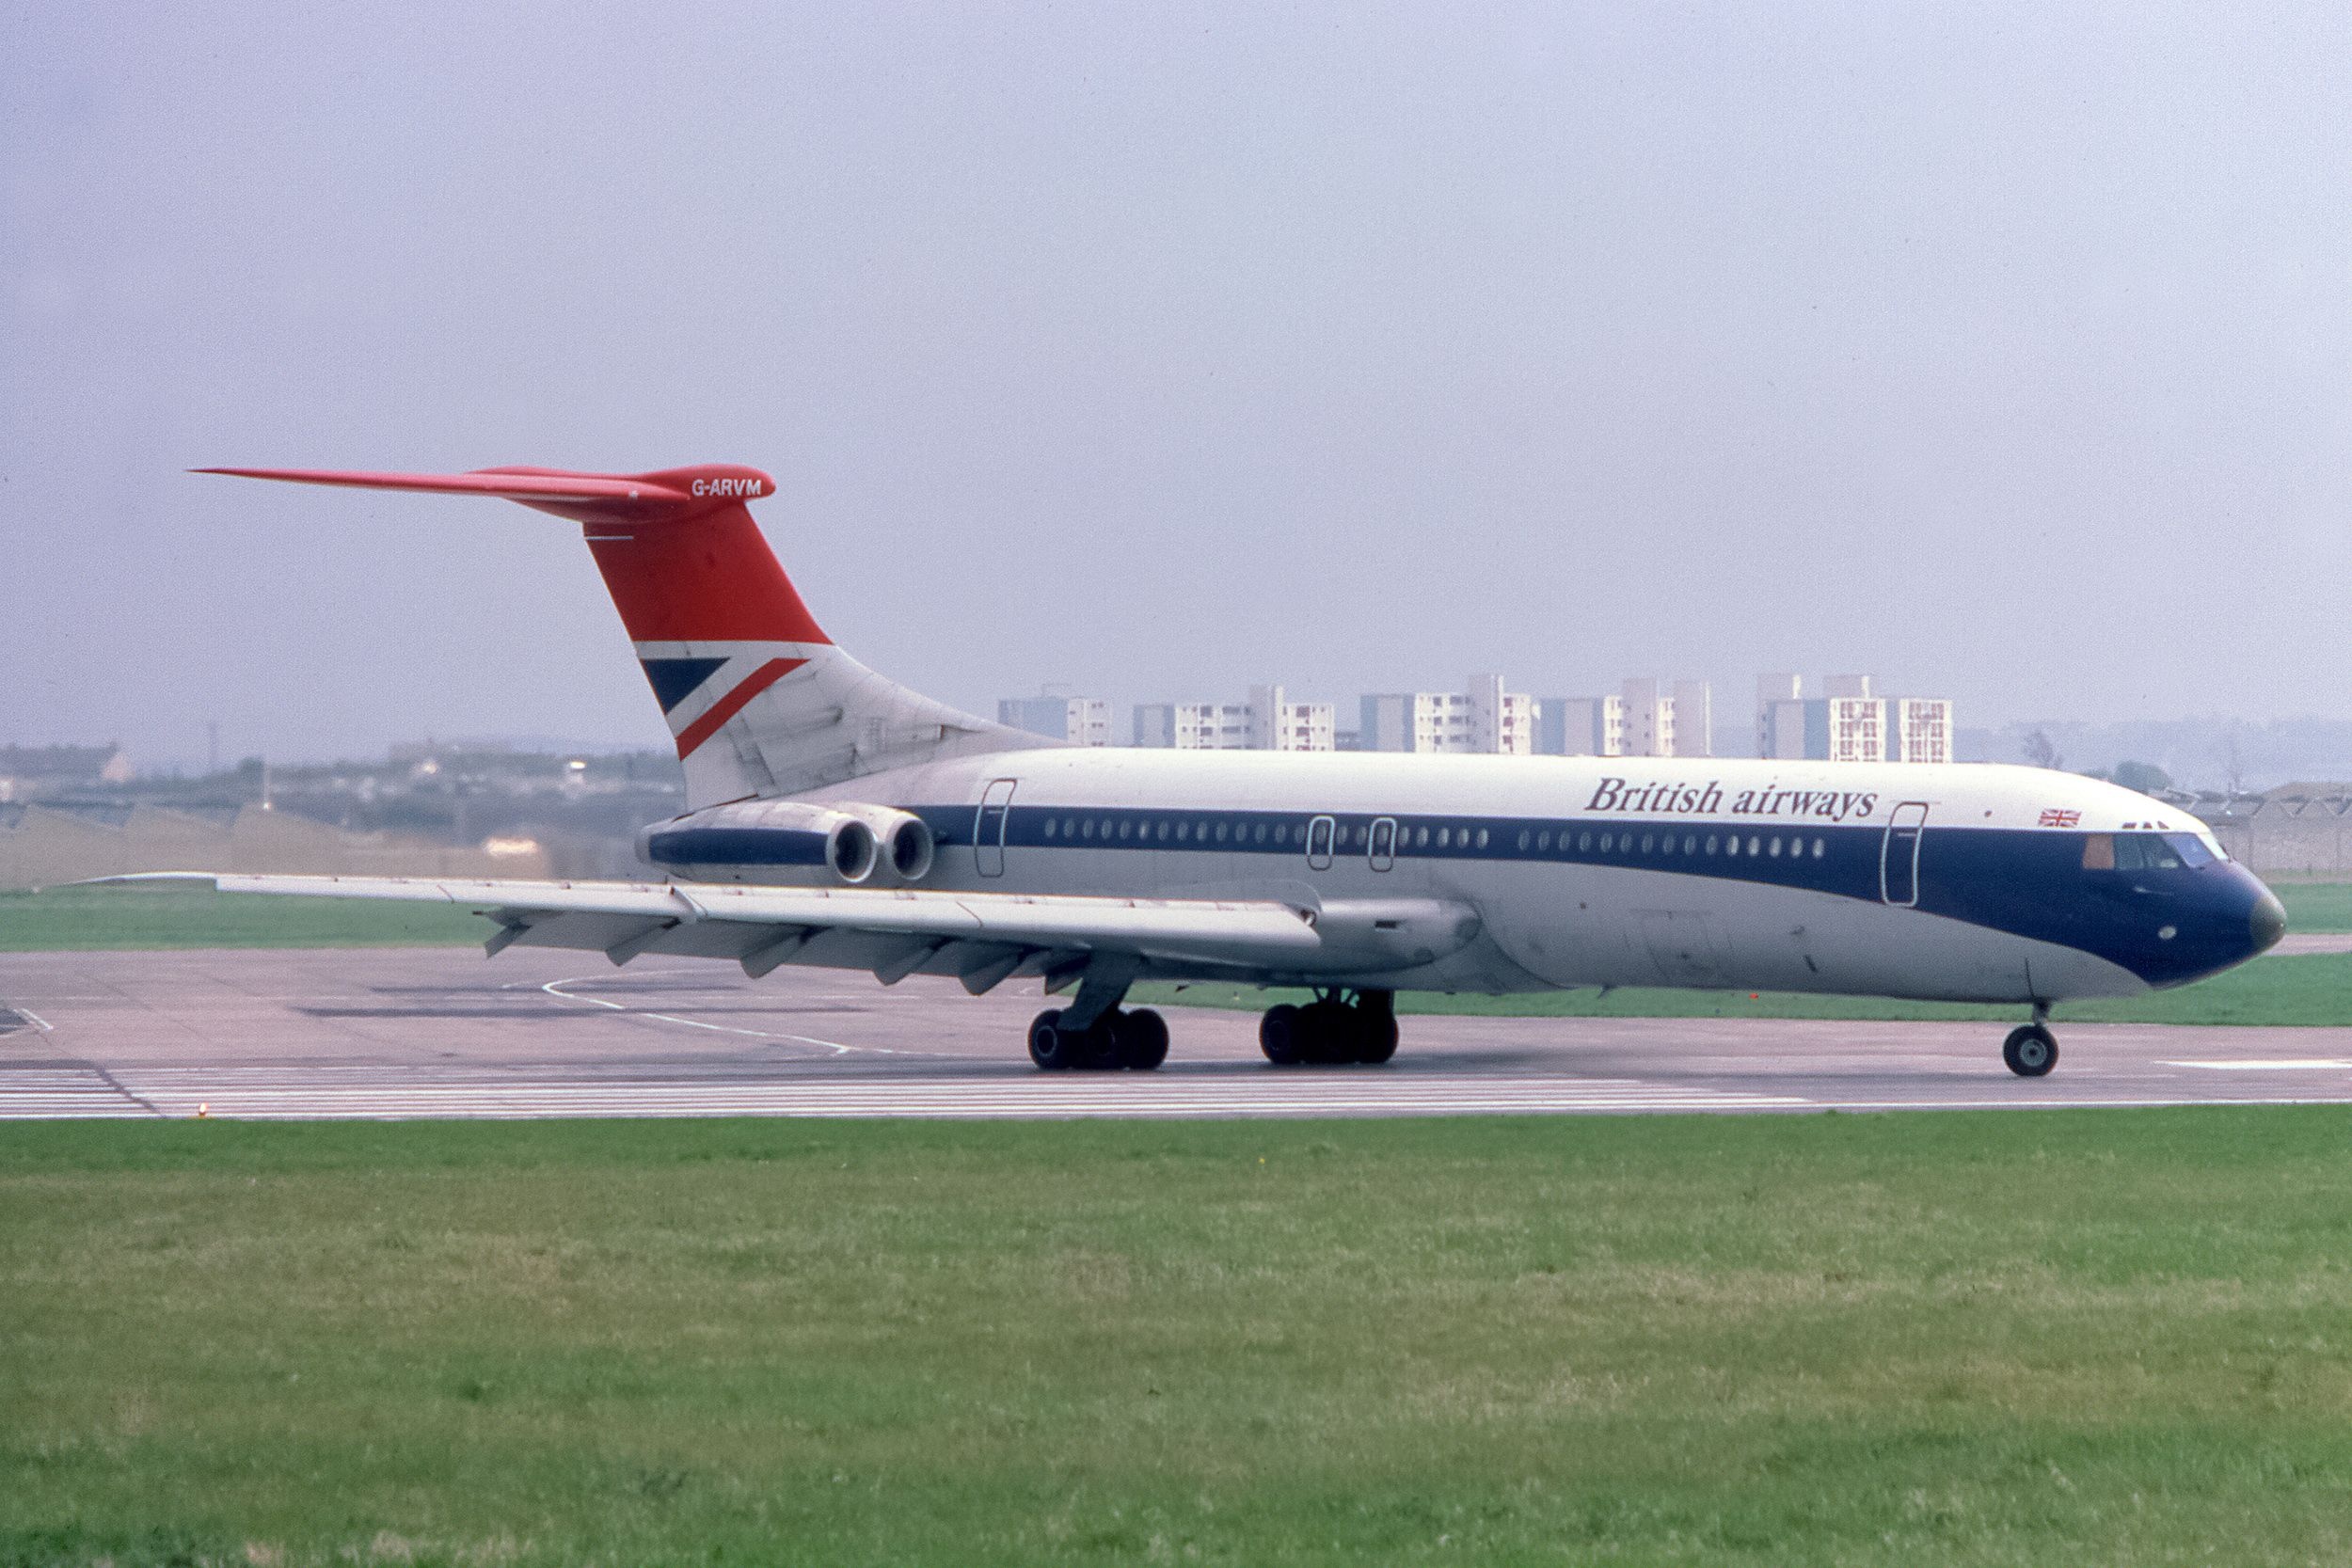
(2269, 922)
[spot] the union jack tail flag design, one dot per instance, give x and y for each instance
(757, 698)
(2057, 816)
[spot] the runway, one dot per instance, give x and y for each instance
(440, 1033)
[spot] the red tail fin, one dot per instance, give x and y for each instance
(679, 553)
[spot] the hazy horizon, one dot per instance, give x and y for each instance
(1998, 353)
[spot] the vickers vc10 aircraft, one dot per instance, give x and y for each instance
(835, 819)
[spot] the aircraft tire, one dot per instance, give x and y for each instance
(1281, 1037)
(1376, 1036)
(1329, 1031)
(1051, 1047)
(1142, 1040)
(2030, 1051)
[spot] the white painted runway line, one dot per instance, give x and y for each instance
(2291, 1064)
(363, 1093)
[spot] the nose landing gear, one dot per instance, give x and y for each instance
(2031, 1051)
(1329, 1031)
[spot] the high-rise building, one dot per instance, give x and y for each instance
(1484, 719)
(1695, 718)
(1278, 724)
(1501, 723)
(1779, 716)
(1193, 726)
(1922, 729)
(1581, 727)
(1852, 722)
(1080, 720)
(1649, 719)
(1415, 721)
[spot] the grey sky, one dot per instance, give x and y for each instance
(1999, 349)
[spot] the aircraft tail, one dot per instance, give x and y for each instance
(757, 698)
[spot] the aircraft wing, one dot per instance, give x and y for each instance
(980, 938)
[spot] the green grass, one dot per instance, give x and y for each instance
(147, 918)
(2316, 906)
(2020, 1337)
(2315, 988)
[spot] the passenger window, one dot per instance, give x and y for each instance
(1127, 829)
(1711, 843)
(1481, 838)
(1606, 840)
(1774, 850)
(1731, 845)
(2099, 852)
(1183, 831)
(1647, 839)
(1444, 834)
(1221, 833)
(1049, 826)
(1585, 842)
(1543, 842)
(1820, 848)
(1260, 835)
(1753, 843)
(1690, 844)
(1526, 838)
(1089, 831)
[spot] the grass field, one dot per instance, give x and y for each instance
(2013, 1337)
(146, 918)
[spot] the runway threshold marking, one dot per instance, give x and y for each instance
(555, 988)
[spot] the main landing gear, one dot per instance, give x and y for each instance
(2031, 1050)
(1329, 1031)
(1122, 1037)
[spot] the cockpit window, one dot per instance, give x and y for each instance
(2148, 851)
(2099, 852)
(2191, 849)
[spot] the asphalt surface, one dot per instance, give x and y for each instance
(440, 1032)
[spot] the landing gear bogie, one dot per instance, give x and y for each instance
(1329, 1031)
(1136, 1040)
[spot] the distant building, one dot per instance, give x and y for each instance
(1780, 716)
(1484, 719)
(1415, 721)
(1501, 723)
(1851, 723)
(1080, 721)
(1649, 720)
(1277, 724)
(1193, 726)
(1581, 727)
(1695, 718)
(1922, 729)
(27, 772)
(1646, 718)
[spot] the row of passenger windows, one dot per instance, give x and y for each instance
(1422, 836)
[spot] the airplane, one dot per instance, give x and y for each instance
(835, 818)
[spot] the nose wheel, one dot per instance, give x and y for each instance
(2030, 1051)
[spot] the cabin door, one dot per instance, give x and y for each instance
(1898, 854)
(988, 827)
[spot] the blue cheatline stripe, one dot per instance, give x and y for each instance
(2028, 883)
(674, 680)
